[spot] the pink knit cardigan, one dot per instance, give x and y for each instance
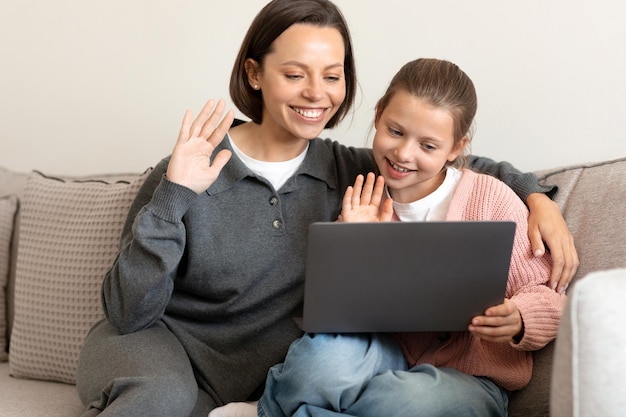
(481, 197)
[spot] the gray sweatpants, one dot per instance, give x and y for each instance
(147, 373)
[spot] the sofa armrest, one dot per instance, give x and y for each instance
(590, 358)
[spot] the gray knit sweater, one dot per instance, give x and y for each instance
(224, 269)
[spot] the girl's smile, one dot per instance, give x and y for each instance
(395, 168)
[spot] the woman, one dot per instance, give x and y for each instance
(199, 303)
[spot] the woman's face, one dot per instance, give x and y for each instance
(412, 144)
(302, 81)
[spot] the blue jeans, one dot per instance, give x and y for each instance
(365, 375)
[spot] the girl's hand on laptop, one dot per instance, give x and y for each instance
(501, 323)
(361, 202)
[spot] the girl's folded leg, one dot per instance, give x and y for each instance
(425, 390)
(324, 374)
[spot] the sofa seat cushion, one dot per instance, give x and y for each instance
(24, 397)
(69, 237)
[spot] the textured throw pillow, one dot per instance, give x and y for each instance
(8, 207)
(69, 237)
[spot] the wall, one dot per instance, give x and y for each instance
(95, 86)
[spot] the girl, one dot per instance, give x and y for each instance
(422, 131)
(200, 300)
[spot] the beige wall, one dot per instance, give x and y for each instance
(98, 86)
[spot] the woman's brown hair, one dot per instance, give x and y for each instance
(276, 17)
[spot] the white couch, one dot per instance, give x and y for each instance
(59, 236)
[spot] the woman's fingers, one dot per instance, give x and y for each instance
(205, 114)
(212, 119)
(204, 124)
(217, 134)
(220, 161)
(183, 134)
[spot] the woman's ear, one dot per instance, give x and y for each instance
(458, 148)
(253, 71)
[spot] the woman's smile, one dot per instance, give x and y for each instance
(311, 114)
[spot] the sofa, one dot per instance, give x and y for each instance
(59, 235)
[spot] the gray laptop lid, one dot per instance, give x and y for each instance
(404, 276)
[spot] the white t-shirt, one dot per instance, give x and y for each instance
(434, 206)
(277, 173)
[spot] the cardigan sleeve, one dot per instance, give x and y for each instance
(528, 287)
(481, 197)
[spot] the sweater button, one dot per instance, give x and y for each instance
(273, 201)
(277, 224)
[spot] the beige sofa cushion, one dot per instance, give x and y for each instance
(8, 207)
(69, 237)
(12, 183)
(592, 198)
(32, 398)
(590, 360)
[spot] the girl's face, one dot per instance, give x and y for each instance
(302, 81)
(412, 144)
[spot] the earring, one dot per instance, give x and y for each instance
(256, 86)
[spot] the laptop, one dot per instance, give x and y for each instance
(404, 276)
